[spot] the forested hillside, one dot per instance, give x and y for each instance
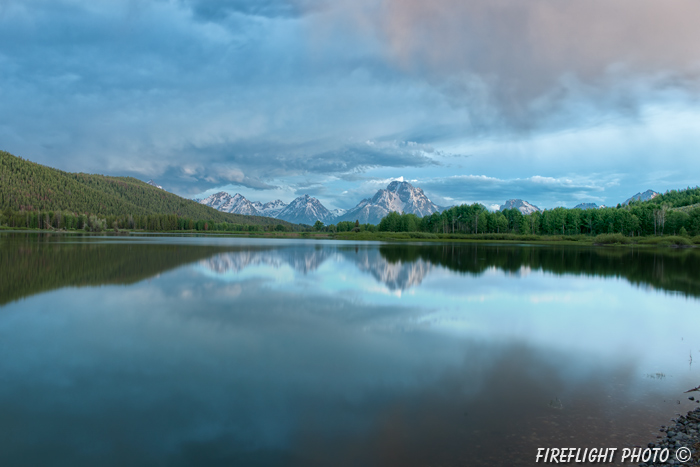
(29, 187)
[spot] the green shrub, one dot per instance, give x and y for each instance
(666, 241)
(574, 238)
(423, 235)
(611, 239)
(675, 240)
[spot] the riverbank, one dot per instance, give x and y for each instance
(685, 433)
(615, 240)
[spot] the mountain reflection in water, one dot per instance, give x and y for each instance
(396, 274)
(220, 351)
(401, 267)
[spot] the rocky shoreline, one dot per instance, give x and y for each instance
(685, 433)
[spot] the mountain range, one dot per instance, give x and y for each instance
(398, 196)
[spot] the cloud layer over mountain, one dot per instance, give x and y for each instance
(282, 95)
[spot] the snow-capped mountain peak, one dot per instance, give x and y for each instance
(305, 210)
(522, 206)
(236, 204)
(398, 196)
(272, 208)
(338, 212)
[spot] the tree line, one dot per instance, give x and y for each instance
(673, 213)
(64, 220)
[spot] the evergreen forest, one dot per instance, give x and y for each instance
(39, 197)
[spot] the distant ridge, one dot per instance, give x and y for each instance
(588, 206)
(646, 196)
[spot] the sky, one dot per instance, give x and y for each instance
(553, 102)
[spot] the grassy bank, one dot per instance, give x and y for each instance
(599, 240)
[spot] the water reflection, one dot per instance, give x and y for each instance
(291, 353)
(401, 267)
(303, 260)
(395, 274)
(257, 376)
(31, 263)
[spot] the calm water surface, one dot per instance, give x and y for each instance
(193, 351)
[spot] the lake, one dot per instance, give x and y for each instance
(193, 351)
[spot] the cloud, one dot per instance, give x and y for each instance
(537, 189)
(196, 178)
(222, 9)
(249, 164)
(267, 94)
(314, 190)
(514, 54)
(360, 156)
